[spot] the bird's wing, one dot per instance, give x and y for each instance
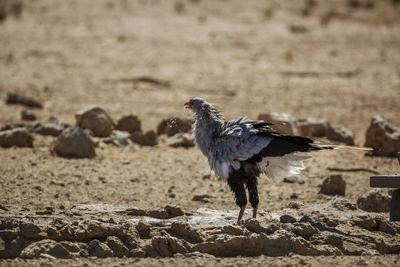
(236, 141)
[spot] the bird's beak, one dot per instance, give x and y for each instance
(188, 105)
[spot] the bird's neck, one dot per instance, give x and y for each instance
(205, 127)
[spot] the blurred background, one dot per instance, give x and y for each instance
(338, 60)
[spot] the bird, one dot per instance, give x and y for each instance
(238, 151)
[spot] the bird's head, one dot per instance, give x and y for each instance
(195, 104)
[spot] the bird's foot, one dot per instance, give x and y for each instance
(255, 212)
(241, 212)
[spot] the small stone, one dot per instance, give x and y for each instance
(52, 128)
(45, 246)
(342, 204)
(304, 230)
(333, 185)
(312, 127)
(116, 245)
(386, 226)
(46, 211)
(145, 139)
(20, 137)
(202, 198)
(174, 211)
(287, 219)
(383, 137)
(340, 134)
(286, 124)
(118, 138)
(28, 115)
(295, 205)
(181, 140)
(158, 214)
(130, 123)
(254, 226)
(95, 119)
(307, 219)
(99, 249)
(15, 98)
(183, 229)
(172, 126)
(74, 142)
(374, 201)
(142, 226)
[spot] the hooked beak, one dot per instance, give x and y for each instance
(188, 105)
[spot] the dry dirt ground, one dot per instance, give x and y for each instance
(338, 60)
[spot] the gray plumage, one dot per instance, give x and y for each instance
(229, 145)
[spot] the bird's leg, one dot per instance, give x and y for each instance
(255, 212)
(253, 194)
(237, 186)
(241, 212)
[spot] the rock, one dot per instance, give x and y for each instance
(15, 98)
(10, 126)
(129, 123)
(45, 246)
(74, 142)
(286, 124)
(287, 219)
(365, 222)
(74, 247)
(172, 126)
(174, 211)
(333, 185)
(307, 219)
(52, 128)
(383, 136)
(183, 229)
(137, 253)
(374, 201)
(142, 226)
(10, 247)
(158, 214)
(178, 245)
(304, 230)
(118, 138)
(160, 244)
(280, 243)
(20, 137)
(130, 240)
(145, 139)
(340, 134)
(28, 115)
(342, 204)
(46, 211)
(95, 119)
(99, 249)
(116, 245)
(386, 226)
(254, 226)
(135, 212)
(166, 246)
(202, 198)
(295, 205)
(232, 230)
(181, 140)
(30, 230)
(312, 127)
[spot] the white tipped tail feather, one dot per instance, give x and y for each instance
(328, 146)
(278, 168)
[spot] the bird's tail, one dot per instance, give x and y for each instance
(322, 145)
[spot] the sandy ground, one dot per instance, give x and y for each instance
(330, 59)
